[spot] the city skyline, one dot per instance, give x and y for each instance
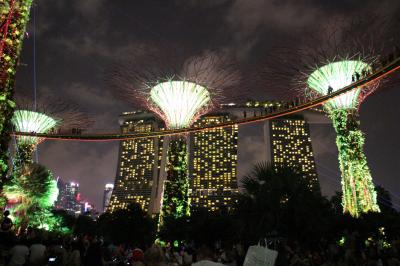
(212, 163)
(84, 83)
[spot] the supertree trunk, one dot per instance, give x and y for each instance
(23, 155)
(359, 194)
(14, 18)
(176, 189)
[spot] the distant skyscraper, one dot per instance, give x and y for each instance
(141, 167)
(107, 195)
(68, 196)
(287, 139)
(290, 145)
(213, 162)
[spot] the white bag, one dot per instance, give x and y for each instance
(260, 256)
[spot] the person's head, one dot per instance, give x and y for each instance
(205, 252)
(137, 255)
(154, 256)
(6, 213)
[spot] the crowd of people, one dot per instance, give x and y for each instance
(43, 248)
(38, 247)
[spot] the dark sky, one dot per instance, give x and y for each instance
(79, 41)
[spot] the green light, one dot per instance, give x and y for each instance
(15, 17)
(179, 102)
(359, 194)
(32, 191)
(30, 121)
(338, 75)
(176, 189)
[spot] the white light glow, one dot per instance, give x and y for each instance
(29, 121)
(179, 101)
(338, 75)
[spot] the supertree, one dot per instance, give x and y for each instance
(14, 16)
(322, 63)
(46, 115)
(178, 94)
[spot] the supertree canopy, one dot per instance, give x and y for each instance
(14, 16)
(179, 101)
(337, 75)
(178, 95)
(345, 53)
(44, 116)
(30, 121)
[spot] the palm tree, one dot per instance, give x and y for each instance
(32, 189)
(278, 199)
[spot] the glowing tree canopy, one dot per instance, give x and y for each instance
(326, 60)
(45, 115)
(30, 121)
(179, 101)
(338, 75)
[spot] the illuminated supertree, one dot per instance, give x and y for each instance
(178, 95)
(46, 116)
(14, 16)
(359, 195)
(323, 63)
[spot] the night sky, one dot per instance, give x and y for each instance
(79, 41)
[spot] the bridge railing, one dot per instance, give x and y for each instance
(376, 75)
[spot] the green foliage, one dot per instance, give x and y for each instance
(173, 229)
(45, 219)
(359, 195)
(176, 188)
(278, 199)
(35, 184)
(35, 191)
(131, 226)
(23, 155)
(201, 227)
(85, 225)
(15, 28)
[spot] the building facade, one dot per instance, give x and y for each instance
(290, 145)
(68, 196)
(141, 164)
(287, 139)
(213, 157)
(213, 163)
(108, 189)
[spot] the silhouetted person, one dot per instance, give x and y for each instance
(6, 223)
(357, 76)
(330, 89)
(364, 73)
(94, 255)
